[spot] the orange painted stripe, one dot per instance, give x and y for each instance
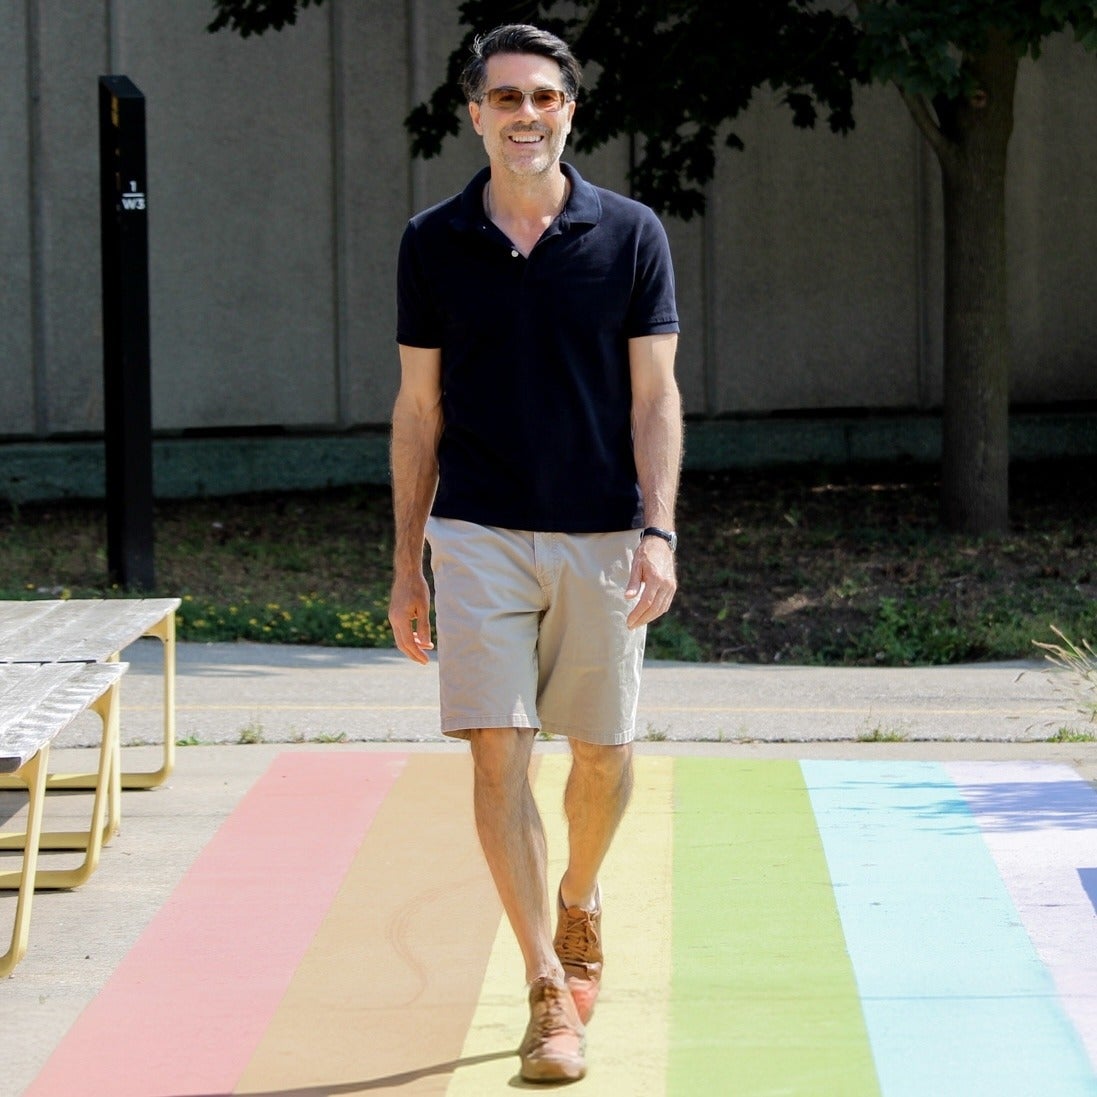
(189, 1003)
(383, 998)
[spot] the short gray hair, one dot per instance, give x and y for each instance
(518, 38)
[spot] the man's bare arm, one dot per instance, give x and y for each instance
(657, 448)
(416, 429)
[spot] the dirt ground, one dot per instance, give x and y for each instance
(804, 565)
(853, 567)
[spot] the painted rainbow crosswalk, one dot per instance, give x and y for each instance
(816, 928)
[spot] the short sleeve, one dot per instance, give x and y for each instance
(653, 309)
(417, 320)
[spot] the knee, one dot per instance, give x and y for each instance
(500, 757)
(607, 765)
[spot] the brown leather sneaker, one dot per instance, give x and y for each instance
(552, 1049)
(578, 944)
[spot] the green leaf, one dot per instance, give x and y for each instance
(248, 17)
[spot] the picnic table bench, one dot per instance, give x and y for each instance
(37, 702)
(93, 630)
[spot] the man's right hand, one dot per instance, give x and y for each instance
(409, 616)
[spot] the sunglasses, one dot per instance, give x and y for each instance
(511, 99)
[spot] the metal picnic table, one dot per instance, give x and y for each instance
(94, 630)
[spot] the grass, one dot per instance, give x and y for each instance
(1076, 664)
(807, 565)
(1070, 735)
(250, 733)
(881, 735)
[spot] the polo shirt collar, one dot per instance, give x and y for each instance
(583, 207)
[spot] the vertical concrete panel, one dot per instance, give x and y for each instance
(435, 33)
(371, 51)
(16, 339)
(814, 263)
(687, 245)
(240, 216)
(1053, 227)
(72, 53)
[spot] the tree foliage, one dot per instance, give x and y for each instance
(930, 51)
(248, 17)
(678, 73)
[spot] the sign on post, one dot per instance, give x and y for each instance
(127, 387)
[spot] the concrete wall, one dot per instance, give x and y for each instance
(279, 183)
(17, 350)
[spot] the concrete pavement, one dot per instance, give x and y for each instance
(231, 693)
(240, 705)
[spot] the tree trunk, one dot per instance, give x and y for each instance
(975, 447)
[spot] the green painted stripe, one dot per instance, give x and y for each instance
(763, 998)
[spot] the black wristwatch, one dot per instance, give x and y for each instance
(667, 535)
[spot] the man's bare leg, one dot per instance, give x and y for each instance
(597, 794)
(513, 840)
(595, 799)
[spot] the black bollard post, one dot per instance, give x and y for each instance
(127, 387)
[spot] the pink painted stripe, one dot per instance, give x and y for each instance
(187, 1006)
(1039, 820)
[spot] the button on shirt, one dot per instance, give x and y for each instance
(536, 394)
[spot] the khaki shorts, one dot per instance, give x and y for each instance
(531, 631)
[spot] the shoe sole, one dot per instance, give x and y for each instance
(552, 1072)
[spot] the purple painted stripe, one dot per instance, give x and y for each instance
(1039, 821)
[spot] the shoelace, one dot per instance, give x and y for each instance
(579, 938)
(552, 1017)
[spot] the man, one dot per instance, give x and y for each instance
(538, 425)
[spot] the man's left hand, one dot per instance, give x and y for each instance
(653, 579)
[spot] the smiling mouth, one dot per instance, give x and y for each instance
(526, 138)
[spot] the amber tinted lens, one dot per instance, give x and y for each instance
(548, 99)
(505, 98)
(510, 99)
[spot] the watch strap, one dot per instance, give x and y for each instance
(667, 535)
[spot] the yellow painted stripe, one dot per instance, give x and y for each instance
(627, 1038)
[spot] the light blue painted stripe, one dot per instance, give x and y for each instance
(956, 1000)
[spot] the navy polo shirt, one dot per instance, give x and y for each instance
(536, 394)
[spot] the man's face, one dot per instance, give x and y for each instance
(526, 141)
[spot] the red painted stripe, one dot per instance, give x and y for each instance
(186, 1008)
